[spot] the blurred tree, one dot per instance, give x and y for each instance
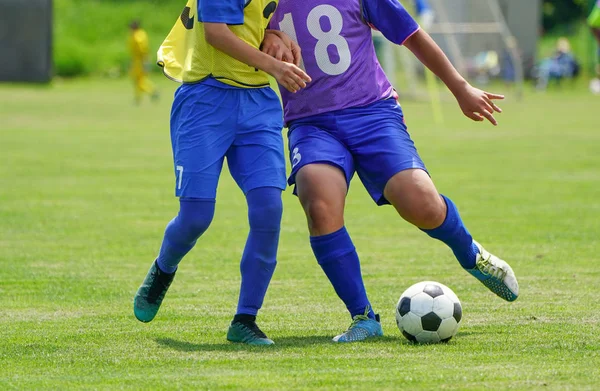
(562, 12)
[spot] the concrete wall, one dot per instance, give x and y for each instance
(25, 40)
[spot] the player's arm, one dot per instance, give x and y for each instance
(222, 38)
(397, 25)
(217, 15)
(474, 103)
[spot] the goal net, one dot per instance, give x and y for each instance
(486, 40)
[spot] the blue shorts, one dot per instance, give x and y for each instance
(371, 140)
(211, 121)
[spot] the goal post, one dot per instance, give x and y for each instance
(486, 40)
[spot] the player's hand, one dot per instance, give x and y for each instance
(296, 52)
(278, 45)
(290, 76)
(478, 105)
(275, 47)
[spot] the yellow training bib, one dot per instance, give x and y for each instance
(186, 57)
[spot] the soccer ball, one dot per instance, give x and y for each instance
(428, 312)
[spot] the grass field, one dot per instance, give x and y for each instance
(86, 189)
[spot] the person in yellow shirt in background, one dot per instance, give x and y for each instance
(138, 47)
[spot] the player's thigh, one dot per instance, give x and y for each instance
(322, 168)
(201, 134)
(322, 192)
(256, 157)
(311, 143)
(382, 147)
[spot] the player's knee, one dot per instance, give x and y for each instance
(322, 217)
(198, 226)
(195, 216)
(265, 209)
(428, 213)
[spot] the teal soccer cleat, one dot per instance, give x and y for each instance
(151, 294)
(495, 274)
(244, 329)
(361, 328)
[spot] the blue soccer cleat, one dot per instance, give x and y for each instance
(361, 328)
(495, 274)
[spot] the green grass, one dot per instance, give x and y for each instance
(86, 189)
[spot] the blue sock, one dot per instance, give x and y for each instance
(260, 254)
(337, 256)
(454, 233)
(195, 215)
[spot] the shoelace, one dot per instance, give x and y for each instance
(254, 328)
(488, 268)
(356, 320)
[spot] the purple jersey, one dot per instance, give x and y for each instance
(338, 52)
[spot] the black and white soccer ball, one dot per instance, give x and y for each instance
(428, 312)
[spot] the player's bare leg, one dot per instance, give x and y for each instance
(322, 192)
(416, 199)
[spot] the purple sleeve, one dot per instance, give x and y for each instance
(391, 18)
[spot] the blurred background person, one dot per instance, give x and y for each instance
(561, 66)
(425, 14)
(138, 48)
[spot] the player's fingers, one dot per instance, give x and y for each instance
(287, 41)
(269, 49)
(279, 53)
(494, 96)
(302, 75)
(294, 82)
(288, 56)
(488, 115)
(486, 106)
(493, 105)
(297, 52)
(275, 51)
(288, 87)
(297, 59)
(474, 116)
(298, 80)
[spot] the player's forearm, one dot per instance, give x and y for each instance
(432, 56)
(219, 36)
